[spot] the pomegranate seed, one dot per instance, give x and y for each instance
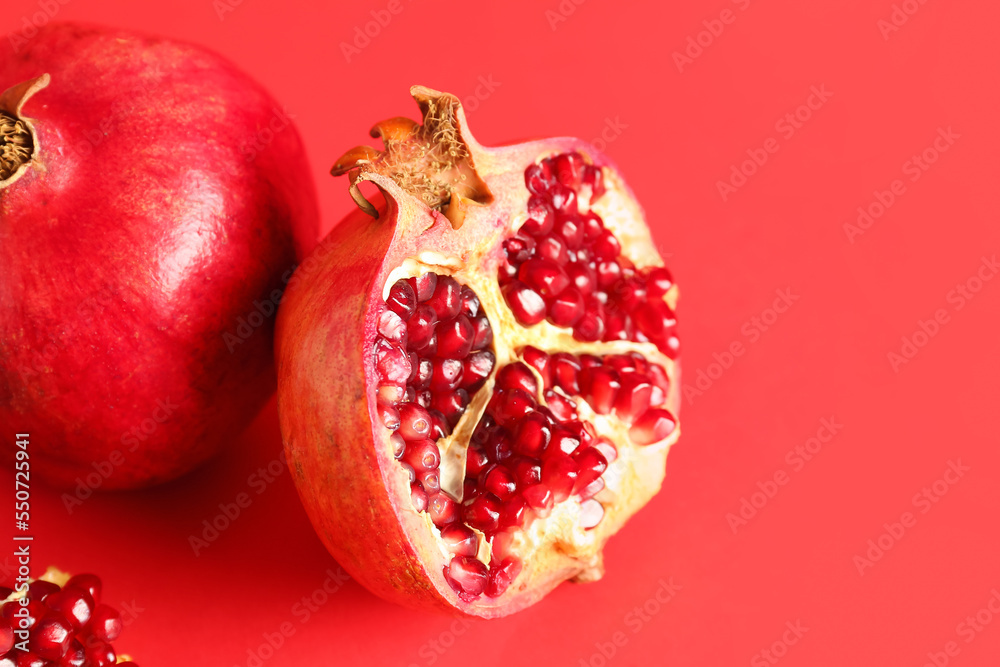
(659, 281)
(519, 248)
(527, 305)
(652, 426)
(592, 465)
(618, 326)
(533, 434)
(423, 286)
(410, 473)
(422, 455)
(594, 177)
(455, 338)
(469, 488)
(570, 228)
(402, 299)
(439, 425)
(540, 362)
(562, 408)
(390, 393)
(499, 481)
(654, 318)
(592, 489)
(609, 272)
(565, 372)
(515, 513)
(591, 513)
(517, 376)
(39, 589)
(590, 361)
(34, 660)
(418, 497)
(559, 474)
(568, 169)
(452, 405)
(75, 604)
(499, 446)
(392, 362)
(101, 654)
(501, 576)
(51, 636)
(606, 246)
(634, 396)
(582, 277)
(442, 508)
(446, 374)
(512, 406)
(546, 277)
(398, 445)
(563, 199)
(553, 249)
(538, 177)
(527, 471)
(539, 497)
(421, 328)
(541, 215)
(475, 461)
(564, 440)
(659, 377)
(392, 327)
(414, 422)
(430, 480)
(389, 416)
(470, 302)
(566, 309)
(460, 540)
(424, 398)
(467, 576)
(482, 512)
(6, 636)
(447, 298)
(424, 371)
(76, 656)
(590, 326)
(482, 333)
(106, 623)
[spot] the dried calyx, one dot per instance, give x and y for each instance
(430, 161)
(18, 142)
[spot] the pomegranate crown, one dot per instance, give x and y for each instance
(18, 142)
(432, 161)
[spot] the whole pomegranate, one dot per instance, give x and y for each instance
(478, 386)
(60, 621)
(153, 201)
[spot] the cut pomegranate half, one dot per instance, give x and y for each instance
(479, 385)
(60, 621)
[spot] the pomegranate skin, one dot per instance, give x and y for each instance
(167, 202)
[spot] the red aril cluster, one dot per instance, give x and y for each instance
(60, 626)
(564, 266)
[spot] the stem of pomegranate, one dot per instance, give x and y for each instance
(18, 142)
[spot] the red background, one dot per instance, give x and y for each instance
(680, 131)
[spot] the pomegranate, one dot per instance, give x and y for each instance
(479, 384)
(153, 201)
(60, 621)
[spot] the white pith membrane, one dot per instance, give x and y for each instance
(637, 472)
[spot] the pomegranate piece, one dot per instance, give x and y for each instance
(487, 366)
(148, 232)
(65, 625)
